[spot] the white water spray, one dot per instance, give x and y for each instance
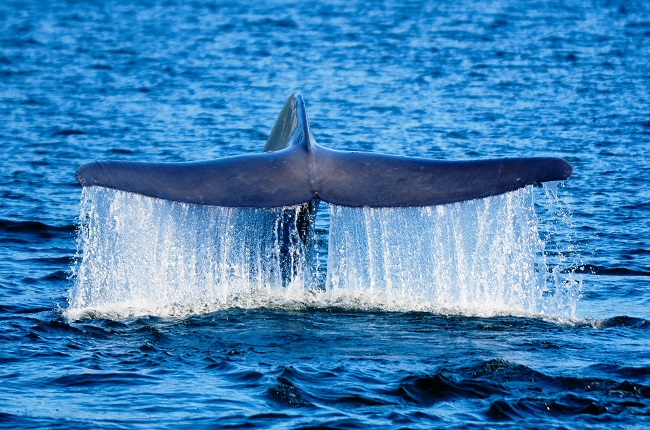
(139, 255)
(481, 257)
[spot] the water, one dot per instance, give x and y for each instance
(143, 256)
(480, 257)
(178, 81)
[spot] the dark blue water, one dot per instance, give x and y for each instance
(184, 81)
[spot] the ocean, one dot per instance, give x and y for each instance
(526, 310)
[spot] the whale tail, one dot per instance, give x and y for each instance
(294, 169)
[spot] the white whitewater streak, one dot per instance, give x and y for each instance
(482, 257)
(139, 255)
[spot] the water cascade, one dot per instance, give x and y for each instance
(139, 255)
(480, 257)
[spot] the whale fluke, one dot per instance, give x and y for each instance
(294, 170)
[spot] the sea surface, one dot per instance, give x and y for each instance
(529, 310)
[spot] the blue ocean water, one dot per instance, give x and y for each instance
(186, 81)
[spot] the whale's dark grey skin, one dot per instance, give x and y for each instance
(294, 169)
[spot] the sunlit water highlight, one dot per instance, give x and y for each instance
(144, 256)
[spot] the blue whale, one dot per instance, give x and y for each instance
(295, 170)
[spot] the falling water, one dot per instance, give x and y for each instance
(480, 257)
(139, 255)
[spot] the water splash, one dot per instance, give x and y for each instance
(482, 257)
(139, 255)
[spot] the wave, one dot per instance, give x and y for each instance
(35, 228)
(499, 390)
(99, 379)
(624, 321)
(609, 271)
